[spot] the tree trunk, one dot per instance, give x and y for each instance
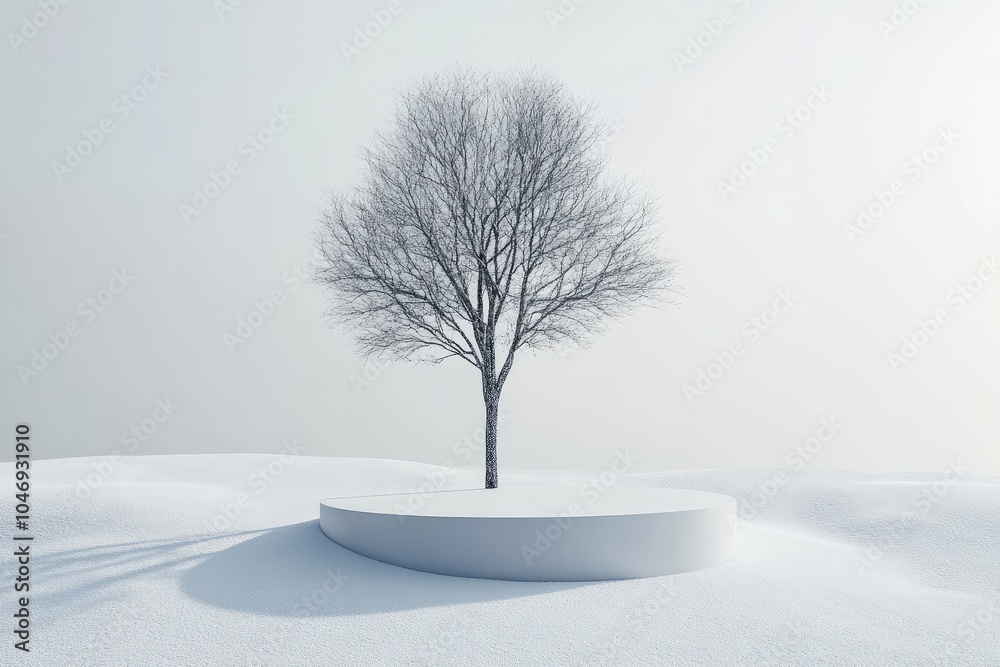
(492, 400)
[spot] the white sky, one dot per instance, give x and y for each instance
(683, 131)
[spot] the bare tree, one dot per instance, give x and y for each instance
(485, 224)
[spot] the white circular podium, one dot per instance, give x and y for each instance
(539, 532)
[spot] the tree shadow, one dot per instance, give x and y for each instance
(297, 570)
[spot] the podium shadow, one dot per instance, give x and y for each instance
(296, 570)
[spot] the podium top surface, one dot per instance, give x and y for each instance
(534, 501)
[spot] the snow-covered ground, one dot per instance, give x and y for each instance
(834, 568)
